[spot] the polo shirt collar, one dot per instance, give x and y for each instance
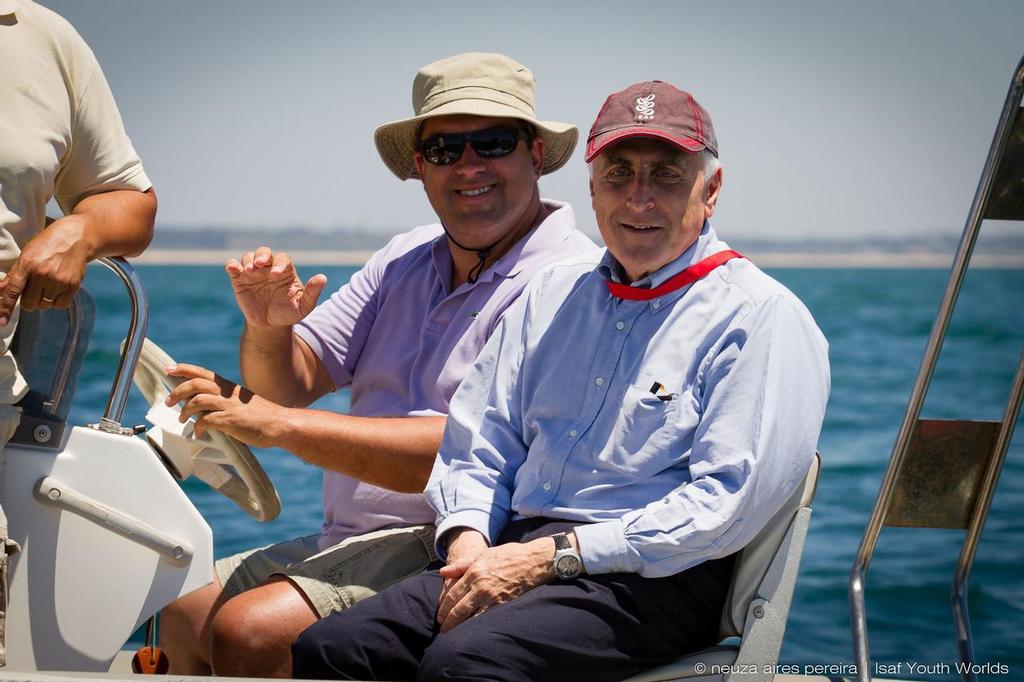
(540, 241)
(537, 243)
(9, 7)
(442, 259)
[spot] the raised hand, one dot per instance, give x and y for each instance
(268, 289)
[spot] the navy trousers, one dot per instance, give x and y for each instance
(601, 627)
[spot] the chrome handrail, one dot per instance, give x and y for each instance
(111, 420)
(63, 373)
(858, 615)
(964, 641)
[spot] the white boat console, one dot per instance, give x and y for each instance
(107, 535)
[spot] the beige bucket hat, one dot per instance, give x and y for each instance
(476, 83)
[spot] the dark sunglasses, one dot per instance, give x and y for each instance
(491, 143)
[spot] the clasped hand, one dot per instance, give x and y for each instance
(479, 577)
(220, 404)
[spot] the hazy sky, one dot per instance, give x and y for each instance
(833, 118)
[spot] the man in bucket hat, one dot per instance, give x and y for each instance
(634, 422)
(402, 334)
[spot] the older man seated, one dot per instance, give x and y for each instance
(635, 420)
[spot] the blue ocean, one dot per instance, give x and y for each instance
(877, 322)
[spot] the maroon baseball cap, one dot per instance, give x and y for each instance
(652, 109)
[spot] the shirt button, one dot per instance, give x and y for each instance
(599, 381)
(547, 485)
(572, 434)
(620, 325)
(656, 304)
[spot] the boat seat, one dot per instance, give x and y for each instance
(757, 606)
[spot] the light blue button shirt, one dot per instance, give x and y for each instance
(402, 339)
(671, 429)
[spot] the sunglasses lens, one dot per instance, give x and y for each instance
(492, 143)
(442, 150)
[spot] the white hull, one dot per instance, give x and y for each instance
(81, 586)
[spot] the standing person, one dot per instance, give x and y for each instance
(60, 136)
(636, 419)
(402, 334)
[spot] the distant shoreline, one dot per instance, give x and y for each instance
(767, 260)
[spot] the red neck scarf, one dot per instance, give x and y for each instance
(688, 276)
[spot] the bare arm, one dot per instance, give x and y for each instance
(280, 366)
(51, 266)
(117, 223)
(275, 362)
(391, 452)
(396, 453)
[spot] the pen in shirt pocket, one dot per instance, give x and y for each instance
(658, 390)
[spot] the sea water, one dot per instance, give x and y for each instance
(877, 322)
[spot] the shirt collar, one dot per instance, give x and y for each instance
(706, 244)
(537, 243)
(9, 6)
(442, 259)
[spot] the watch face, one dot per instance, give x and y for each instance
(568, 566)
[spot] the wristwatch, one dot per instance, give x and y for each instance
(568, 564)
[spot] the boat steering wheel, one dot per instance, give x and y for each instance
(225, 464)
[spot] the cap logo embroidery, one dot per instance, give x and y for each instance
(645, 108)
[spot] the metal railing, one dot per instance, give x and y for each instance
(1011, 115)
(122, 385)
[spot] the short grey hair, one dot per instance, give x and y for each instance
(710, 163)
(707, 162)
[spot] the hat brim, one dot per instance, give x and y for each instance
(599, 143)
(396, 141)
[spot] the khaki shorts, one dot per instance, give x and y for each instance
(336, 578)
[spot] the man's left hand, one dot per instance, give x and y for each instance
(225, 406)
(497, 575)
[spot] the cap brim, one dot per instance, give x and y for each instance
(599, 143)
(396, 141)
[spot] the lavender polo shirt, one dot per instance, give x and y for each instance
(403, 340)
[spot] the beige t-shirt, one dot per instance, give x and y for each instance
(60, 135)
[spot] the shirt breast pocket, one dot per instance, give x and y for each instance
(647, 432)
